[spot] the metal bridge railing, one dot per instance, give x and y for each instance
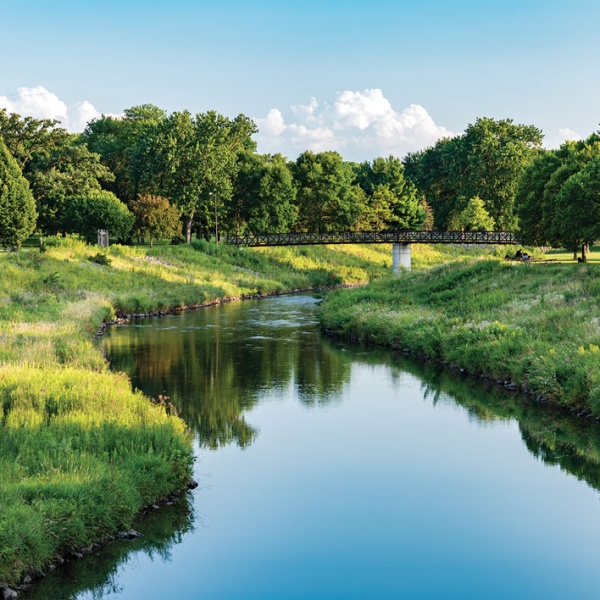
(399, 236)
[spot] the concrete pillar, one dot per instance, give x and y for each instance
(400, 257)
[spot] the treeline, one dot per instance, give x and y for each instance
(497, 176)
(150, 175)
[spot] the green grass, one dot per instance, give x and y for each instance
(537, 326)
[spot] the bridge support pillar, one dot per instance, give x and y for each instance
(401, 254)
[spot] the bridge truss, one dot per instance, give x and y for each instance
(400, 236)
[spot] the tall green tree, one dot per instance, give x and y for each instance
(55, 163)
(391, 200)
(125, 145)
(17, 206)
(578, 208)
(534, 217)
(327, 198)
(198, 159)
(433, 172)
(496, 155)
(264, 194)
(27, 137)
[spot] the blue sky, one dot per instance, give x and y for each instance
(365, 78)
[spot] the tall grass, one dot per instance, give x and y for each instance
(535, 326)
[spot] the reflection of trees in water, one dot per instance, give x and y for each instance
(219, 366)
(97, 573)
(551, 434)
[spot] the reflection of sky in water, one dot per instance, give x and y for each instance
(381, 494)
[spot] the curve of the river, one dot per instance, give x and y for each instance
(328, 471)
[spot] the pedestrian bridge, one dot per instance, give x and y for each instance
(401, 240)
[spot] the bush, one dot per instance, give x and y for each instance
(97, 210)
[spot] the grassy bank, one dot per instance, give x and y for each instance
(80, 452)
(534, 326)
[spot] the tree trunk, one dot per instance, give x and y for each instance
(575, 254)
(188, 220)
(583, 254)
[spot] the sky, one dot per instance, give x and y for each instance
(366, 79)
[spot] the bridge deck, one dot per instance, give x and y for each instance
(401, 236)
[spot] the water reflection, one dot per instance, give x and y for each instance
(97, 575)
(215, 364)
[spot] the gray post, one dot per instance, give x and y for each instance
(401, 254)
(103, 238)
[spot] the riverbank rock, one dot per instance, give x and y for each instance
(9, 594)
(130, 534)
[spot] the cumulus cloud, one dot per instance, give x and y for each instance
(360, 125)
(558, 137)
(40, 103)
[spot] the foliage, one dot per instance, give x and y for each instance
(578, 207)
(68, 170)
(27, 137)
(534, 215)
(327, 198)
(124, 145)
(391, 201)
(17, 207)
(555, 203)
(486, 161)
(196, 158)
(474, 217)
(264, 195)
(87, 213)
(155, 218)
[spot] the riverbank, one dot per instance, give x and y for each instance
(530, 327)
(81, 453)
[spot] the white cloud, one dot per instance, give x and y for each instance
(359, 125)
(558, 137)
(40, 103)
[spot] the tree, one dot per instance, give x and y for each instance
(155, 218)
(17, 207)
(486, 161)
(474, 217)
(55, 163)
(496, 154)
(327, 198)
(87, 213)
(534, 218)
(264, 194)
(578, 208)
(69, 169)
(434, 173)
(26, 137)
(541, 221)
(197, 157)
(391, 200)
(124, 145)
